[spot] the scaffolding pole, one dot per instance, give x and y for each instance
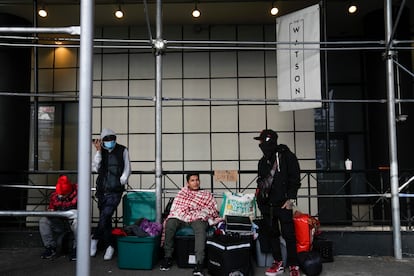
(84, 138)
(392, 136)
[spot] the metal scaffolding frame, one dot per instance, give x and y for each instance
(159, 45)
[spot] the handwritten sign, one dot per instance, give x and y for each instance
(226, 175)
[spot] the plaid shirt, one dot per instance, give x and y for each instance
(191, 205)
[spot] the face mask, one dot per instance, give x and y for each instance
(109, 144)
(268, 149)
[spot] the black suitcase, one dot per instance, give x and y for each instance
(238, 224)
(229, 255)
(310, 262)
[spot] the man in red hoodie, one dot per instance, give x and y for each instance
(64, 198)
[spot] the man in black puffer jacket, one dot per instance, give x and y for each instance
(112, 164)
(280, 168)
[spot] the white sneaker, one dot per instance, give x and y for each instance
(94, 247)
(109, 253)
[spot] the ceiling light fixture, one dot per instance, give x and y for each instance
(196, 12)
(119, 13)
(274, 10)
(42, 12)
(352, 8)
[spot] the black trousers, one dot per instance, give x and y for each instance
(276, 222)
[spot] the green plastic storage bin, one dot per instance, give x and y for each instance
(138, 252)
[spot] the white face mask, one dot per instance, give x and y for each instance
(109, 144)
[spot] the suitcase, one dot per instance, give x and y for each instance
(238, 224)
(138, 252)
(310, 262)
(229, 255)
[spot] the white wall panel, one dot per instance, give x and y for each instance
(172, 147)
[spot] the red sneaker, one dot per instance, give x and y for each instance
(294, 270)
(276, 269)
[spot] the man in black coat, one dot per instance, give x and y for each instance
(278, 183)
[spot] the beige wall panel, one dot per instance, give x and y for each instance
(224, 146)
(250, 32)
(46, 57)
(305, 120)
(172, 119)
(142, 89)
(251, 64)
(196, 65)
(252, 118)
(196, 147)
(142, 66)
(223, 64)
(249, 148)
(225, 165)
(65, 80)
(270, 63)
(252, 88)
(195, 32)
(45, 80)
(279, 121)
(288, 139)
(117, 88)
(199, 166)
(224, 32)
(96, 122)
(224, 118)
(305, 142)
(196, 88)
(172, 147)
(271, 88)
(142, 119)
(172, 89)
(142, 148)
(196, 119)
(97, 67)
(224, 89)
(96, 91)
(172, 65)
(115, 118)
(115, 66)
(66, 57)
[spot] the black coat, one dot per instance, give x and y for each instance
(286, 180)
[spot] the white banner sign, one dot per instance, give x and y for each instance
(298, 66)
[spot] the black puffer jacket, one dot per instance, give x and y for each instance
(286, 180)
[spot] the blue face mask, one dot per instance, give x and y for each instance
(109, 144)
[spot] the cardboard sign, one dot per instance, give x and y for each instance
(226, 175)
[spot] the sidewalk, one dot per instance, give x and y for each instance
(27, 261)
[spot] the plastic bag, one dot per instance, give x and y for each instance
(238, 204)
